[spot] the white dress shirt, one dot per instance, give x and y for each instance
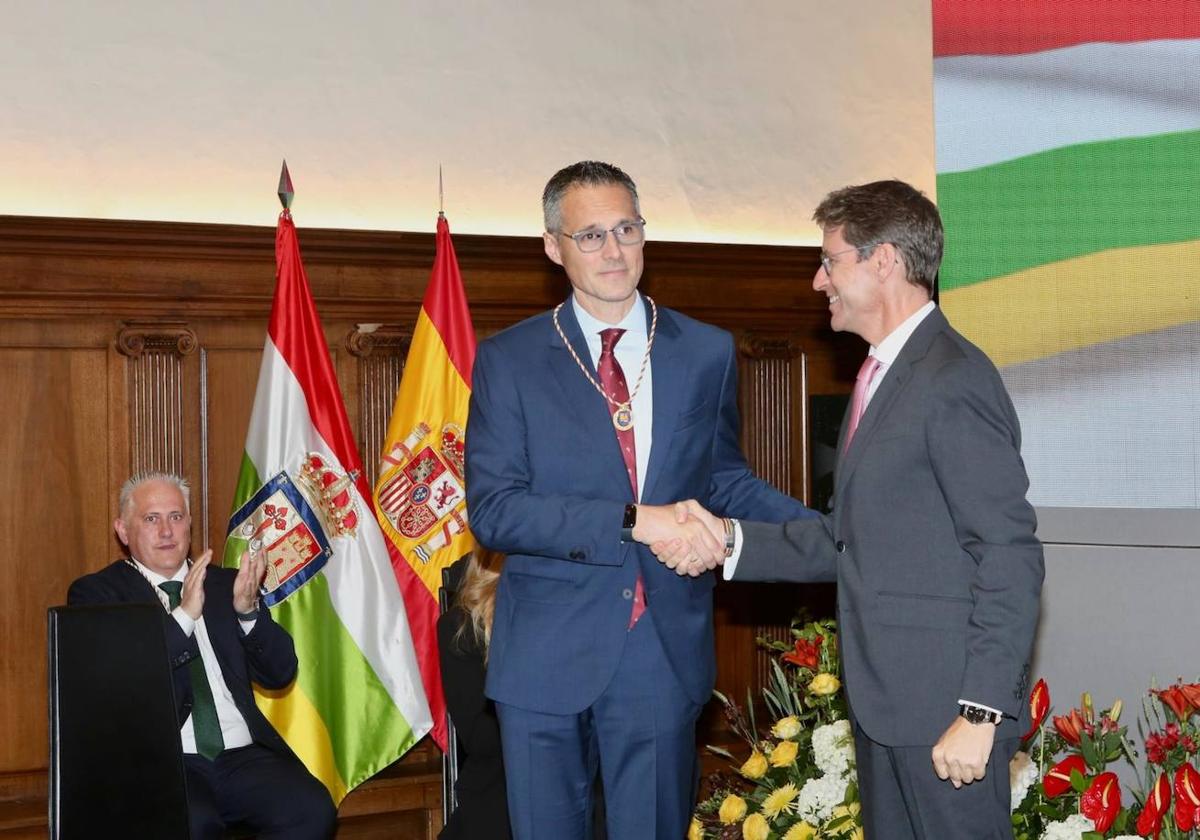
(629, 352)
(234, 731)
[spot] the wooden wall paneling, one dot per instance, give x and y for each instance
(55, 523)
(379, 353)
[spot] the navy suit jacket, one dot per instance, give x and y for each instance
(266, 655)
(546, 484)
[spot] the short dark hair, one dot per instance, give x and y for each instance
(585, 173)
(888, 211)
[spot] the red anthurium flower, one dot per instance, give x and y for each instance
(1157, 803)
(806, 654)
(1175, 699)
(1191, 691)
(1070, 726)
(1101, 801)
(1058, 779)
(1039, 705)
(1187, 798)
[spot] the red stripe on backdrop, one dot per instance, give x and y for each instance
(446, 305)
(1011, 27)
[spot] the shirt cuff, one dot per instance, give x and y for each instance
(730, 567)
(186, 623)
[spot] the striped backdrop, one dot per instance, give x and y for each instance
(1068, 158)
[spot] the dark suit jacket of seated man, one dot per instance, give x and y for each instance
(253, 779)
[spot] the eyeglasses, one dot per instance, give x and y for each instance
(592, 240)
(827, 259)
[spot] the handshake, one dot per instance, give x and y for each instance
(684, 536)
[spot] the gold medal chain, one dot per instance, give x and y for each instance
(641, 373)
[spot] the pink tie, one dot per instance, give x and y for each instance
(858, 403)
(613, 380)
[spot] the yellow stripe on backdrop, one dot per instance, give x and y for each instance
(1062, 306)
(297, 720)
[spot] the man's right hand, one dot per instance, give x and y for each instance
(698, 543)
(192, 595)
(677, 555)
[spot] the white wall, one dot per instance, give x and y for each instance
(735, 118)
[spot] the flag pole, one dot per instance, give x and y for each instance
(286, 192)
(441, 195)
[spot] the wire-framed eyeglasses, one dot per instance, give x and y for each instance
(592, 239)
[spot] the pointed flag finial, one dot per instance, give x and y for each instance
(441, 195)
(285, 187)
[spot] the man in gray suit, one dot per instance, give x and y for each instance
(931, 540)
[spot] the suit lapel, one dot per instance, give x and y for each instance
(896, 377)
(670, 381)
(580, 397)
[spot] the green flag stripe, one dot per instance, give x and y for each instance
(1068, 202)
(322, 642)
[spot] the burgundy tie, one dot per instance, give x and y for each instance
(613, 380)
(858, 403)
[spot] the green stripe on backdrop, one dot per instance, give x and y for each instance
(356, 698)
(1069, 202)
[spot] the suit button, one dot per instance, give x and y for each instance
(626, 594)
(840, 546)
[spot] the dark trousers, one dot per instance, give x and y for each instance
(270, 793)
(641, 730)
(903, 799)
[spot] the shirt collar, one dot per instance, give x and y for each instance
(154, 577)
(890, 347)
(633, 323)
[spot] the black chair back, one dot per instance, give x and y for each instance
(450, 756)
(116, 764)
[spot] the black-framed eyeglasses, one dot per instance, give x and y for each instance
(626, 233)
(827, 259)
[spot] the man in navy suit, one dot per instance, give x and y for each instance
(238, 769)
(585, 424)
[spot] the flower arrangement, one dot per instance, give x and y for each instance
(1061, 787)
(797, 780)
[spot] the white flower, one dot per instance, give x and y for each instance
(819, 797)
(833, 747)
(1072, 828)
(1022, 773)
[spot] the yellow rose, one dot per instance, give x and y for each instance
(755, 766)
(800, 831)
(695, 830)
(784, 753)
(787, 727)
(824, 684)
(755, 828)
(733, 808)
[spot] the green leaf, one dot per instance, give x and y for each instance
(1078, 781)
(719, 751)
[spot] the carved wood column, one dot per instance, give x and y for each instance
(160, 393)
(774, 409)
(381, 350)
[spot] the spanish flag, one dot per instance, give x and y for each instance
(420, 498)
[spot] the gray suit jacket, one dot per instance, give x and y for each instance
(932, 545)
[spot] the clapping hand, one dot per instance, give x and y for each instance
(252, 569)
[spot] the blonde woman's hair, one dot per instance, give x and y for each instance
(477, 595)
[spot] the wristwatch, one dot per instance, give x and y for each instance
(628, 523)
(978, 714)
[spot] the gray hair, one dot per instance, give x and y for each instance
(125, 499)
(591, 173)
